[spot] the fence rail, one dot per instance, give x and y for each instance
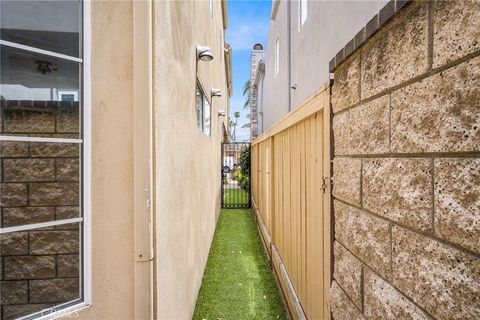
(291, 196)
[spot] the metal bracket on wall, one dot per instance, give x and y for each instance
(142, 256)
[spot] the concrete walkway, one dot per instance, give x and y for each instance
(238, 282)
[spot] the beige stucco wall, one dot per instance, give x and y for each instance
(112, 162)
(187, 162)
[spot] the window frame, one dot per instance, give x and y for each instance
(84, 141)
(199, 87)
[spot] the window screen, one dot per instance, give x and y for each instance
(41, 158)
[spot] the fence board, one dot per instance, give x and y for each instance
(292, 158)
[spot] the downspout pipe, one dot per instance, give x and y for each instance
(143, 255)
(289, 53)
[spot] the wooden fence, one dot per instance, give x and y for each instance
(291, 198)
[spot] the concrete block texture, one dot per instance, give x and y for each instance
(54, 193)
(341, 133)
(407, 237)
(29, 267)
(456, 30)
(13, 149)
(16, 311)
(439, 278)
(14, 243)
(13, 194)
(39, 184)
(57, 150)
(399, 189)
(67, 169)
(16, 216)
(68, 119)
(439, 113)
(364, 129)
(68, 265)
(457, 201)
(54, 242)
(346, 90)
(364, 235)
(18, 170)
(398, 53)
(342, 307)
(383, 301)
(346, 173)
(348, 273)
(369, 127)
(54, 290)
(20, 121)
(12, 292)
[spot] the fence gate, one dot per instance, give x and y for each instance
(236, 175)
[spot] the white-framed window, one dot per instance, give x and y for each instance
(203, 110)
(67, 95)
(44, 158)
(277, 56)
(302, 13)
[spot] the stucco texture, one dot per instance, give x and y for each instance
(187, 162)
(112, 283)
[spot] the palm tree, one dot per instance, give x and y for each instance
(236, 114)
(246, 91)
(230, 129)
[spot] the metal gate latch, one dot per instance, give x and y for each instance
(326, 180)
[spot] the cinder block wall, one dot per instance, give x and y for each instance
(407, 168)
(39, 182)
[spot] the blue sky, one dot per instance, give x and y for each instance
(248, 23)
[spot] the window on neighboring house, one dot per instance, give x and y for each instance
(43, 231)
(277, 57)
(302, 12)
(67, 95)
(203, 111)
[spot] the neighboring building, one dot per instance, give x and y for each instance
(257, 66)
(401, 131)
(110, 155)
(303, 37)
(257, 93)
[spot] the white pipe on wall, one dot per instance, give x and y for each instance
(143, 161)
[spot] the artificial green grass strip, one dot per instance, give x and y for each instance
(235, 196)
(238, 282)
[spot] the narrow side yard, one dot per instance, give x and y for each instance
(238, 282)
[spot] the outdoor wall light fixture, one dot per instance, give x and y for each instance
(204, 53)
(216, 92)
(221, 113)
